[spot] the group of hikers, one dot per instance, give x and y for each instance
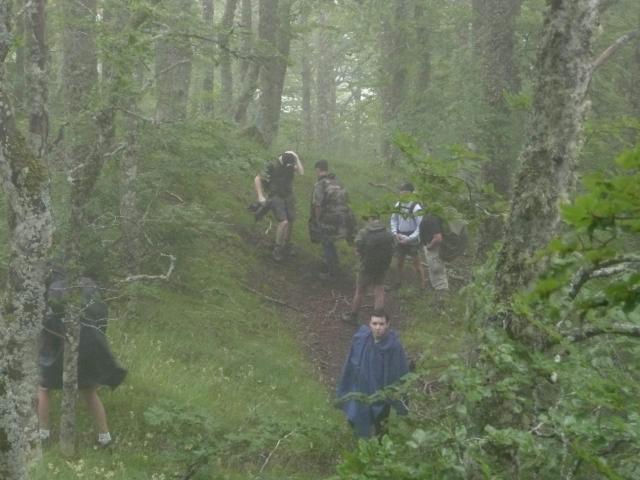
(376, 358)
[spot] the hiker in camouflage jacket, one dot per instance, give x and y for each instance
(331, 218)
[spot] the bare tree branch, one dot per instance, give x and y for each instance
(614, 47)
(625, 329)
(133, 278)
(600, 270)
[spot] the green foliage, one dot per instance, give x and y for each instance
(563, 402)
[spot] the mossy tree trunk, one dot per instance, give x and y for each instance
(25, 182)
(275, 32)
(546, 176)
(37, 76)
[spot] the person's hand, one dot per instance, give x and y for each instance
(402, 239)
(262, 200)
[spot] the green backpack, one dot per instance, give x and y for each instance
(377, 251)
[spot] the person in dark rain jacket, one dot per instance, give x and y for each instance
(375, 361)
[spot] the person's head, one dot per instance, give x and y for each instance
(288, 158)
(322, 167)
(406, 188)
(379, 323)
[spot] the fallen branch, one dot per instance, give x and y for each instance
(133, 278)
(264, 465)
(273, 300)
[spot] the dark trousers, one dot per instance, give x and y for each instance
(330, 256)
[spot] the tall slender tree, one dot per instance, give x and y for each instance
(80, 78)
(174, 56)
(275, 32)
(393, 71)
(325, 83)
(25, 183)
(209, 72)
(494, 25)
(226, 71)
(246, 37)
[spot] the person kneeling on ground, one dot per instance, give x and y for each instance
(375, 361)
(331, 218)
(277, 181)
(374, 247)
(96, 364)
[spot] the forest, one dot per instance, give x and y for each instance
(134, 134)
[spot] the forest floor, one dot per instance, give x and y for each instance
(313, 307)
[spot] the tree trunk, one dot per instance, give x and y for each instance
(246, 95)
(20, 69)
(79, 79)
(392, 74)
(173, 70)
(246, 37)
(226, 72)
(495, 40)
(307, 112)
(546, 176)
(423, 73)
(275, 32)
(208, 80)
(357, 118)
(25, 182)
(37, 77)
(325, 85)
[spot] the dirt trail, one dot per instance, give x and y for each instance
(314, 306)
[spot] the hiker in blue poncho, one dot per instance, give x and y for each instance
(376, 360)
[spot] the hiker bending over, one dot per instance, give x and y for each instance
(331, 218)
(277, 182)
(374, 247)
(431, 236)
(96, 364)
(375, 361)
(405, 225)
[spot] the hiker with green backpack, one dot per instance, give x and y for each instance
(374, 247)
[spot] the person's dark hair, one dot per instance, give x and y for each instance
(381, 312)
(406, 187)
(322, 165)
(289, 158)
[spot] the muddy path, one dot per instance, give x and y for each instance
(313, 307)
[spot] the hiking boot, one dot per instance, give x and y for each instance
(351, 318)
(277, 254)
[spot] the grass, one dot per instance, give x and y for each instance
(213, 371)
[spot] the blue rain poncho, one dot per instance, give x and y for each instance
(370, 367)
